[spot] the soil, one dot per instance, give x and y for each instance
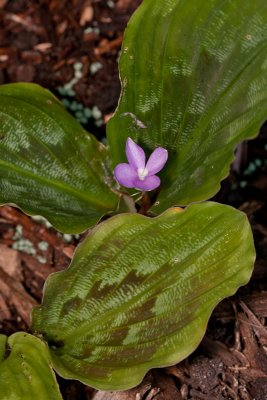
(47, 42)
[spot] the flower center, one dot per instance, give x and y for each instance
(142, 173)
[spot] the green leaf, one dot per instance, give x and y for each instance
(194, 78)
(26, 373)
(49, 165)
(139, 292)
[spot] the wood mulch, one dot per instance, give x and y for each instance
(42, 41)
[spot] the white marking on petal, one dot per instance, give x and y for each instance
(142, 173)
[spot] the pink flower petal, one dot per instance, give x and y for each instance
(157, 160)
(149, 183)
(125, 175)
(135, 154)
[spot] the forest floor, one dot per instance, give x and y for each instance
(71, 47)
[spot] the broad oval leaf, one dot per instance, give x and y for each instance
(49, 165)
(194, 78)
(139, 292)
(26, 372)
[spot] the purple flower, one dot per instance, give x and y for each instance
(138, 174)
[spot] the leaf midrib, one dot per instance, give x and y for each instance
(56, 184)
(133, 299)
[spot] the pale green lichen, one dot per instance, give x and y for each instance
(42, 220)
(41, 259)
(43, 246)
(95, 67)
(91, 29)
(81, 113)
(67, 238)
(67, 89)
(24, 245)
(18, 232)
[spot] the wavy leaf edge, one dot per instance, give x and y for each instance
(140, 370)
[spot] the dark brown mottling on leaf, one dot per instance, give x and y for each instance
(118, 335)
(132, 279)
(99, 292)
(70, 306)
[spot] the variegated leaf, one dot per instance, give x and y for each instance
(49, 165)
(194, 78)
(139, 292)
